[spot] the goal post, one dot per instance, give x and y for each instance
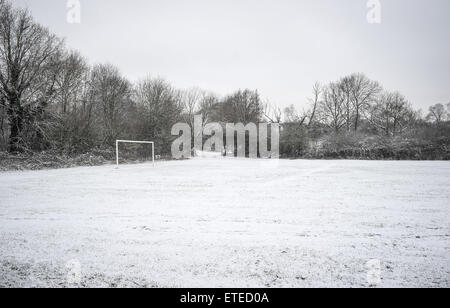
(136, 142)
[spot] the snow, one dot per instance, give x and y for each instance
(204, 154)
(227, 223)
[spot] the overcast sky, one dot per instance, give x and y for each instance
(280, 47)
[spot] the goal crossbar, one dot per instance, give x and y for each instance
(138, 142)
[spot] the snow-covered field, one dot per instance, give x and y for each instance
(227, 223)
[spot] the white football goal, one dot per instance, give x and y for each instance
(135, 142)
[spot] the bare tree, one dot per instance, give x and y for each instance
(191, 100)
(315, 101)
(159, 98)
(160, 106)
(306, 116)
(244, 106)
(27, 54)
(291, 115)
(208, 103)
(332, 109)
(391, 114)
(3, 123)
(348, 84)
(272, 113)
(71, 80)
(363, 92)
(73, 127)
(448, 111)
(437, 113)
(111, 93)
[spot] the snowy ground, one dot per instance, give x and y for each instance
(227, 223)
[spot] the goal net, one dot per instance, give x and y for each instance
(140, 150)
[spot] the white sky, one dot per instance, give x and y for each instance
(280, 47)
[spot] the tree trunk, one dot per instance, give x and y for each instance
(357, 119)
(15, 115)
(394, 132)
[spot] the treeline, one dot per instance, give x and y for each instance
(52, 100)
(355, 117)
